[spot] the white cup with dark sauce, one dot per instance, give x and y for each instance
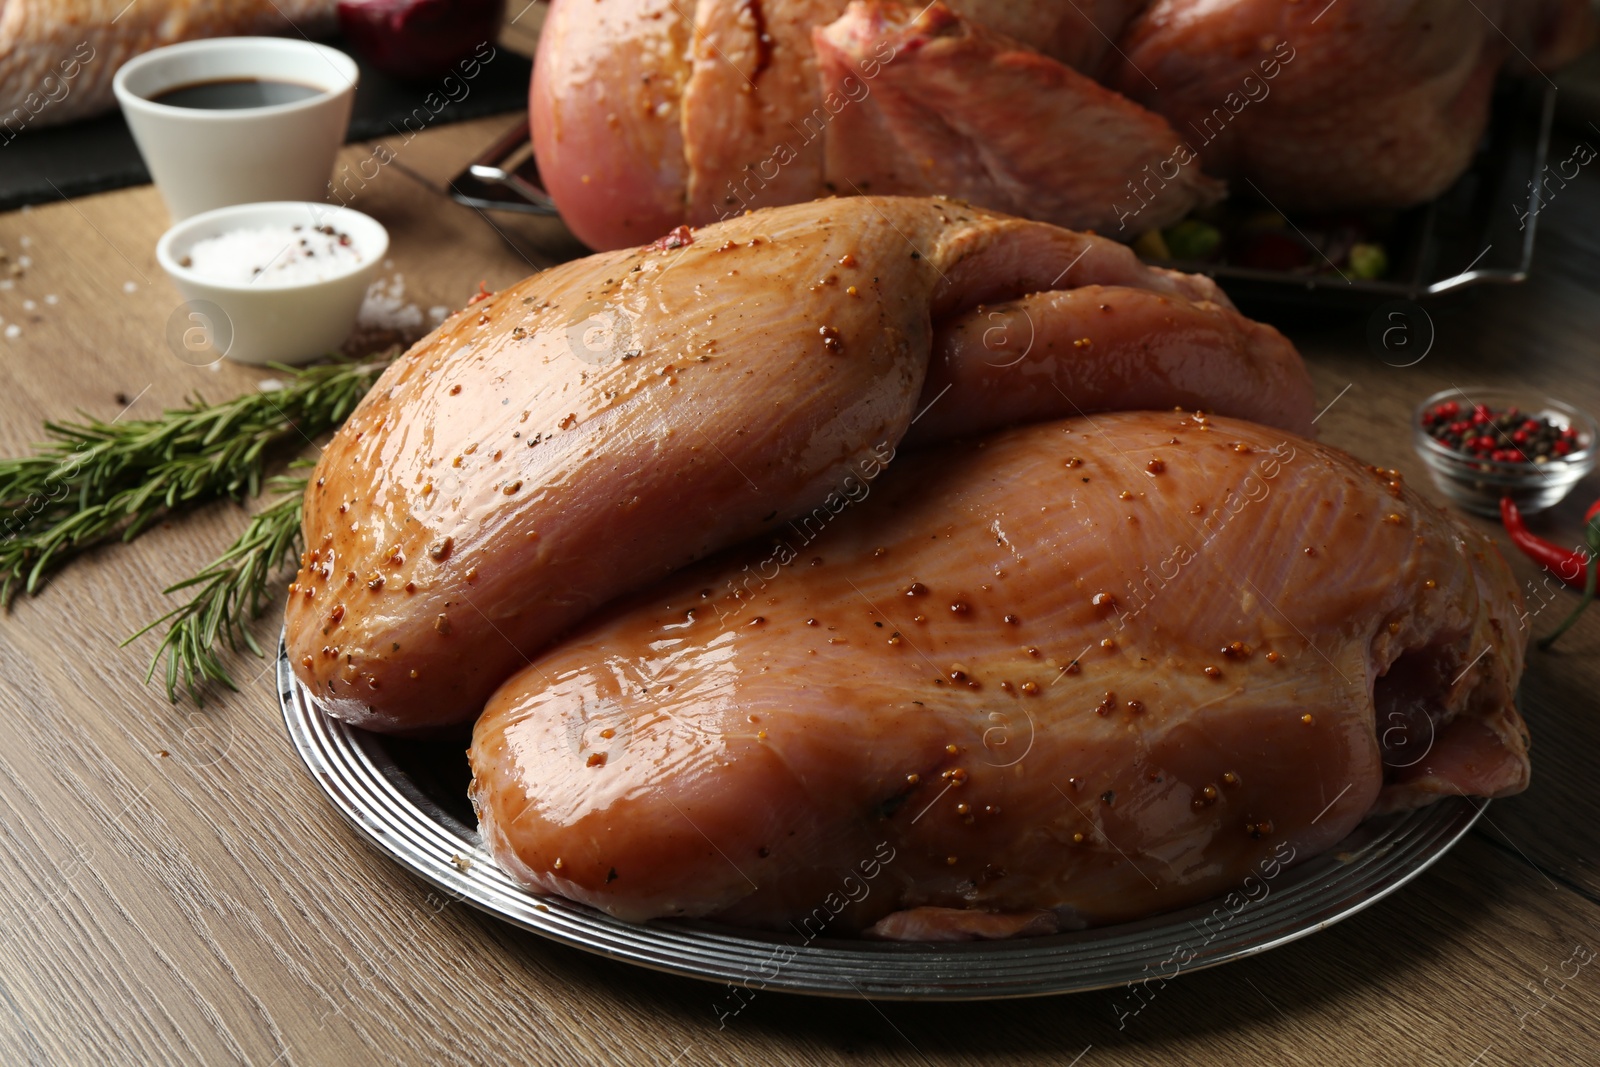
(235, 120)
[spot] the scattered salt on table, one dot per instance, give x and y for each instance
(385, 308)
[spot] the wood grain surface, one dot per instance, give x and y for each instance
(174, 889)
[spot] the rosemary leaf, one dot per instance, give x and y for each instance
(231, 592)
(92, 481)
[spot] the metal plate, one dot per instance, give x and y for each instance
(409, 799)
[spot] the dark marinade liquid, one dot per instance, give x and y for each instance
(229, 94)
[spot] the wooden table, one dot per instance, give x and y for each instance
(176, 889)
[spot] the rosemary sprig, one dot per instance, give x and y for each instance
(94, 480)
(232, 591)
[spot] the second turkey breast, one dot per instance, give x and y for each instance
(1072, 674)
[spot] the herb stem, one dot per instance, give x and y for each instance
(233, 589)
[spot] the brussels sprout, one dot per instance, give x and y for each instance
(1368, 261)
(1193, 239)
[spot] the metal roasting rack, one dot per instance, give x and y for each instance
(1471, 235)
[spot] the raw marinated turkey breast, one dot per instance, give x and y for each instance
(685, 522)
(1372, 102)
(1355, 104)
(587, 431)
(968, 112)
(1071, 674)
(57, 57)
(649, 113)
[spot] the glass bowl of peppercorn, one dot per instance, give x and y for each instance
(1485, 444)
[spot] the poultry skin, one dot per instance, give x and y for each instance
(646, 113)
(1069, 674)
(1068, 150)
(593, 428)
(1369, 103)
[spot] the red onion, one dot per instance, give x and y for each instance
(418, 38)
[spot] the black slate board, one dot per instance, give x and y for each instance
(98, 154)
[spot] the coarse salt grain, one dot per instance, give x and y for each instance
(273, 256)
(385, 308)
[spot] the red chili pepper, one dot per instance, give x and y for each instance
(483, 293)
(1591, 537)
(1564, 563)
